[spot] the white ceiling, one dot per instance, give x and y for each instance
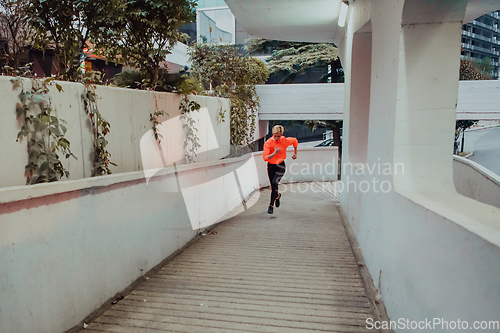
(316, 20)
(291, 20)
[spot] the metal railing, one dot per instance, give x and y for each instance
(481, 24)
(481, 49)
(481, 37)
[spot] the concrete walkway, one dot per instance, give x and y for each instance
(293, 271)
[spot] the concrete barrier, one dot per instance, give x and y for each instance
(127, 111)
(476, 182)
(67, 247)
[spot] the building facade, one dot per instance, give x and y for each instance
(481, 39)
(215, 24)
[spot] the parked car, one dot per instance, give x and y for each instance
(327, 143)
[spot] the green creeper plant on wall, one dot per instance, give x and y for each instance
(43, 130)
(189, 86)
(154, 119)
(191, 139)
(221, 114)
(99, 125)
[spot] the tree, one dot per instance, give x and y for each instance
(334, 125)
(13, 32)
(66, 26)
(227, 73)
(485, 65)
(460, 127)
(289, 60)
(469, 70)
(141, 33)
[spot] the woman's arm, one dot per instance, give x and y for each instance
(293, 142)
(266, 154)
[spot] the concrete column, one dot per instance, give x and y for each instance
(361, 69)
(427, 94)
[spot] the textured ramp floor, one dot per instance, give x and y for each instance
(292, 271)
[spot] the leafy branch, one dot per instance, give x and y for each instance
(99, 125)
(43, 131)
(227, 74)
(191, 141)
(154, 119)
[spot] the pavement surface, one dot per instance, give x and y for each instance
(292, 271)
(485, 144)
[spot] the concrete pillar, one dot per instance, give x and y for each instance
(361, 69)
(431, 252)
(427, 94)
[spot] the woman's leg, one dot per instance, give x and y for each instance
(275, 173)
(279, 174)
(271, 171)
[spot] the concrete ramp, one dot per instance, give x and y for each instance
(292, 271)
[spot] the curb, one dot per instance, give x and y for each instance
(468, 156)
(481, 128)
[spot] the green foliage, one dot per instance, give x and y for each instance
(43, 131)
(469, 70)
(485, 65)
(191, 141)
(154, 118)
(99, 126)
(13, 32)
(462, 125)
(140, 33)
(289, 59)
(140, 80)
(190, 85)
(223, 70)
(67, 26)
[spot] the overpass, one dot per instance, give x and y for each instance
(477, 100)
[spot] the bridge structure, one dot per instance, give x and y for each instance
(424, 242)
(477, 100)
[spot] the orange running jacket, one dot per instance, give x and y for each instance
(270, 147)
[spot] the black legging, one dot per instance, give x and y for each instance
(275, 173)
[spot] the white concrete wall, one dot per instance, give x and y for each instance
(476, 100)
(476, 182)
(319, 101)
(431, 252)
(67, 247)
(127, 111)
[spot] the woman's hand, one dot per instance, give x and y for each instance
(294, 156)
(276, 151)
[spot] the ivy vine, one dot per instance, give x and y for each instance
(43, 131)
(191, 140)
(99, 125)
(189, 86)
(221, 113)
(154, 119)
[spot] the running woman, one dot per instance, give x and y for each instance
(275, 155)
